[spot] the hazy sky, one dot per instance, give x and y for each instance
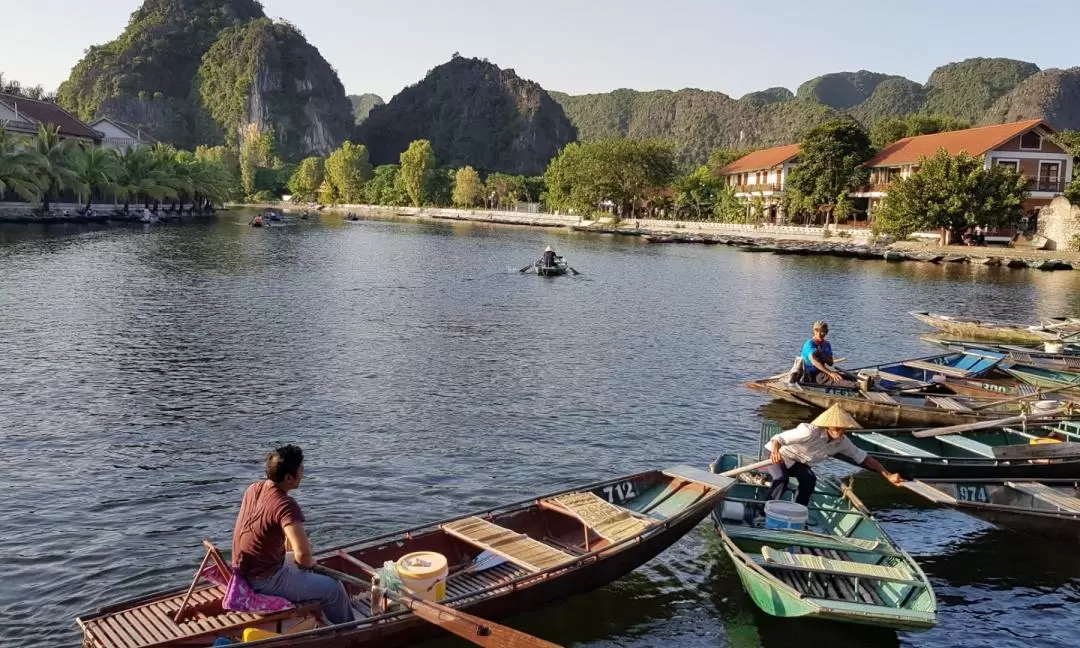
(582, 46)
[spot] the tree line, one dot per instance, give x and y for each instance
(48, 168)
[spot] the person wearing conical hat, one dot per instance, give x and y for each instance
(548, 260)
(792, 451)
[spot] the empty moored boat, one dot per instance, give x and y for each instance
(998, 332)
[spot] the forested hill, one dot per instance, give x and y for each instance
(980, 90)
(204, 71)
(474, 113)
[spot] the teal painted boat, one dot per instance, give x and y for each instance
(843, 567)
(1068, 381)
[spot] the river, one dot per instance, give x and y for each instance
(147, 371)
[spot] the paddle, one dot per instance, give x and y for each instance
(471, 628)
(744, 469)
(982, 425)
(531, 265)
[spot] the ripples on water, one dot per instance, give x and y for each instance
(146, 372)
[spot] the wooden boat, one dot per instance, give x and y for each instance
(1019, 352)
(1044, 378)
(1009, 333)
(556, 270)
(1046, 508)
(553, 547)
(659, 238)
(843, 567)
(1030, 452)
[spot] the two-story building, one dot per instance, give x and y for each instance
(1024, 146)
(762, 174)
(119, 135)
(21, 115)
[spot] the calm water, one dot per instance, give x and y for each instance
(146, 372)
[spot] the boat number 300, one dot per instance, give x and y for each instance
(973, 493)
(620, 492)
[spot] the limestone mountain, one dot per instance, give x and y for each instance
(362, 105)
(842, 90)
(969, 88)
(1053, 95)
(474, 113)
(157, 76)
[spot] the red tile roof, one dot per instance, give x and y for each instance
(763, 159)
(975, 141)
(43, 112)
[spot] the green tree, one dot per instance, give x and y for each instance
(307, 179)
(227, 161)
(54, 165)
(440, 188)
(386, 188)
(348, 169)
(140, 177)
(623, 171)
(96, 171)
(467, 187)
(503, 191)
(728, 208)
(888, 130)
(954, 192)
(327, 195)
(417, 164)
(255, 152)
(830, 165)
(698, 191)
(18, 167)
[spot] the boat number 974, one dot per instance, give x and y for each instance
(620, 492)
(975, 493)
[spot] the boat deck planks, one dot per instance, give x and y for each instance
(1046, 494)
(896, 445)
(970, 445)
(515, 547)
(607, 520)
(822, 565)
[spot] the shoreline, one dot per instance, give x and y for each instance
(779, 240)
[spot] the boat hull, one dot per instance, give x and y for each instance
(550, 271)
(976, 330)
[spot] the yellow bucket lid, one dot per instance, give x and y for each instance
(421, 564)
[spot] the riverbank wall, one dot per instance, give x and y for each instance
(72, 213)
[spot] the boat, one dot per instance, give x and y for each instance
(659, 238)
(1058, 380)
(256, 221)
(1045, 508)
(842, 567)
(1009, 451)
(551, 271)
(1058, 350)
(1051, 330)
(503, 561)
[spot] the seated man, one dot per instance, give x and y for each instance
(270, 521)
(548, 260)
(792, 451)
(817, 359)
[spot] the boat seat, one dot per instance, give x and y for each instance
(896, 445)
(951, 404)
(791, 537)
(1072, 363)
(932, 367)
(880, 397)
(807, 562)
(610, 522)
(929, 492)
(897, 378)
(1020, 356)
(1046, 494)
(971, 445)
(518, 548)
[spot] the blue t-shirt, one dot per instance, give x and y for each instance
(808, 349)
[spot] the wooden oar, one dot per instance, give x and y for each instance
(982, 425)
(531, 265)
(471, 628)
(743, 469)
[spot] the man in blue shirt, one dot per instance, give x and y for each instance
(817, 359)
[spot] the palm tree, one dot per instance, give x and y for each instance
(96, 169)
(54, 163)
(17, 167)
(140, 177)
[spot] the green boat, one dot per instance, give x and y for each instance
(1067, 381)
(843, 567)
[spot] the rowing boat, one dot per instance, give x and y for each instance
(1043, 377)
(998, 332)
(556, 270)
(546, 549)
(1031, 452)
(842, 567)
(1020, 352)
(1046, 508)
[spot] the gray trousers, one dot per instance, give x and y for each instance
(299, 585)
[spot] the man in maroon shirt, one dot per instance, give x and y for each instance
(270, 523)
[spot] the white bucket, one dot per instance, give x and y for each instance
(785, 515)
(424, 573)
(735, 511)
(1043, 406)
(1053, 347)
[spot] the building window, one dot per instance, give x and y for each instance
(1031, 141)
(1009, 164)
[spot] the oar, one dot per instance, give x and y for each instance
(471, 628)
(982, 425)
(744, 469)
(572, 270)
(531, 265)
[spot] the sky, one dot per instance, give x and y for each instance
(582, 46)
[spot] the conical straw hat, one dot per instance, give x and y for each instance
(835, 417)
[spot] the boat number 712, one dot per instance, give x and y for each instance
(976, 493)
(620, 492)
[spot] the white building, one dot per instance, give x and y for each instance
(120, 136)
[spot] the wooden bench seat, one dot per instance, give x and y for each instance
(518, 548)
(944, 370)
(608, 521)
(805, 562)
(964, 443)
(880, 397)
(895, 445)
(1046, 494)
(951, 404)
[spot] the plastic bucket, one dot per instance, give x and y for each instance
(785, 515)
(424, 573)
